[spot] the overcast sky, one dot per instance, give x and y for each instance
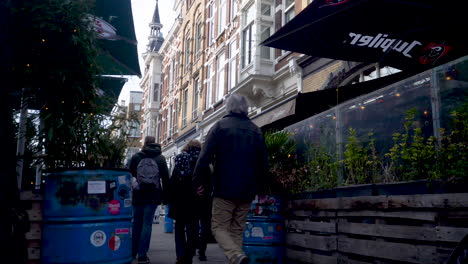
(143, 11)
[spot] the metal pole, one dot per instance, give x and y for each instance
(21, 143)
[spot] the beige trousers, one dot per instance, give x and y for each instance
(228, 224)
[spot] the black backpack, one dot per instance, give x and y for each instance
(148, 174)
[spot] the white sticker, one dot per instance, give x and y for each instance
(98, 238)
(127, 202)
(96, 187)
(122, 179)
(114, 243)
(257, 232)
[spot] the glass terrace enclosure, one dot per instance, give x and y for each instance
(435, 94)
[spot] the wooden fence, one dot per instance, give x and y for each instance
(34, 204)
(376, 229)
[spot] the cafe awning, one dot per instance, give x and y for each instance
(407, 34)
(113, 22)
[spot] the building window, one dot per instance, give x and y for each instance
(209, 88)
(196, 87)
(266, 10)
(247, 45)
(232, 65)
(288, 11)
(265, 52)
(156, 92)
(136, 107)
(233, 9)
(247, 41)
(174, 116)
(187, 51)
(198, 39)
(210, 24)
(158, 121)
(220, 66)
(184, 107)
(170, 117)
(221, 16)
(161, 90)
(177, 66)
(171, 73)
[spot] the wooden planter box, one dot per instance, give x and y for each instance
(378, 228)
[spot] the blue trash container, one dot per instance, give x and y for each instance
(264, 235)
(87, 217)
(168, 222)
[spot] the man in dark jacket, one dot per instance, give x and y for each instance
(236, 148)
(146, 200)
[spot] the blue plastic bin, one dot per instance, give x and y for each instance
(87, 217)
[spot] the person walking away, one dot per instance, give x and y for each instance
(150, 176)
(204, 203)
(182, 202)
(236, 148)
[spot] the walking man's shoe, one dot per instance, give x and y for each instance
(241, 259)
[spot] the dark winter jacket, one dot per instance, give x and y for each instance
(182, 198)
(142, 197)
(236, 148)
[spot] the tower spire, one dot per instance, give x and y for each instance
(155, 39)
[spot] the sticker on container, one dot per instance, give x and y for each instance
(122, 179)
(122, 231)
(98, 238)
(114, 243)
(95, 187)
(114, 207)
(127, 202)
(257, 232)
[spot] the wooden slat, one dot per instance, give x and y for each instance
(451, 234)
(346, 260)
(391, 231)
(308, 257)
(35, 215)
(415, 215)
(451, 200)
(314, 204)
(317, 214)
(30, 196)
(389, 250)
(34, 232)
(325, 243)
(34, 251)
(325, 227)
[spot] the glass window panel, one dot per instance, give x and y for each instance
(265, 51)
(266, 10)
(452, 81)
(383, 112)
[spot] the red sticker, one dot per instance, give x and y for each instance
(114, 207)
(122, 231)
(114, 243)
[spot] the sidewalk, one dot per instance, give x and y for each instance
(162, 249)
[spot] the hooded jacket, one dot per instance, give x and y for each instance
(142, 197)
(236, 148)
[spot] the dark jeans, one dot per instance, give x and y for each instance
(205, 233)
(185, 236)
(142, 226)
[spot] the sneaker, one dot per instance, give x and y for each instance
(241, 259)
(144, 260)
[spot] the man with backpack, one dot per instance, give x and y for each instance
(150, 177)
